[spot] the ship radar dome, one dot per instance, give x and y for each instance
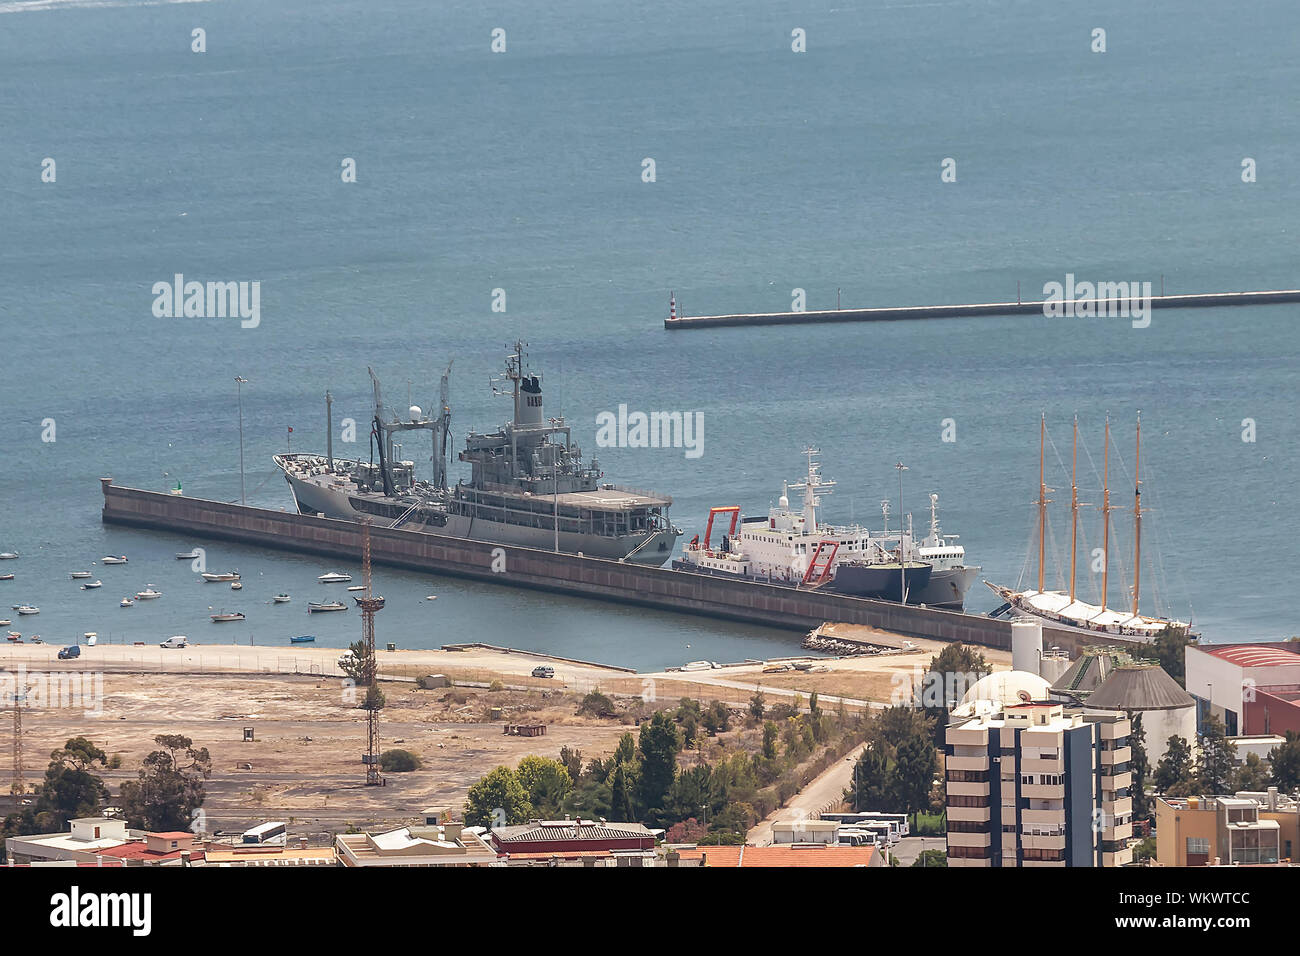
(416, 413)
(783, 502)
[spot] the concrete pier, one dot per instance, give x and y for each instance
(972, 310)
(596, 578)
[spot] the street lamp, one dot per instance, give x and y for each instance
(239, 394)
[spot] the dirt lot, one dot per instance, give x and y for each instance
(304, 765)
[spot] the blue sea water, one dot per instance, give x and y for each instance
(522, 170)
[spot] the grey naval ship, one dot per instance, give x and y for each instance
(529, 485)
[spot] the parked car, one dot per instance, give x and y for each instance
(543, 670)
(176, 641)
(69, 652)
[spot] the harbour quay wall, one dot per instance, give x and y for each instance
(972, 310)
(575, 575)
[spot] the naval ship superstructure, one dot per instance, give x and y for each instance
(529, 484)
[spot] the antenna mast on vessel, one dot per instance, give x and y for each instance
(1074, 506)
(1105, 518)
(1043, 501)
(329, 430)
(1137, 517)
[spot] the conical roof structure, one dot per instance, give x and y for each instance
(1089, 672)
(1139, 687)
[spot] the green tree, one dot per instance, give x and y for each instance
(1140, 767)
(398, 761)
(547, 783)
(625, 752)
(572, 760)
(498, 799)
(1170, 647)
(757, 705)
(717, 719)
(170, 787)
(1252, 775)
(620, 800)
(869, 787)
(1175, 769)
(69, 789)
(359, 664)
(951, 670)
(1285, 761)
(913, 774)
(770, 734)
(597, 704)
(929, 858)
(693, 795)
(658, 747)
(1217, 760)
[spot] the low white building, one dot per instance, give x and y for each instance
(450, 844)
(85, 842)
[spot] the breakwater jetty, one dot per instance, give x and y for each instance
(1096, 306)
(570, 574)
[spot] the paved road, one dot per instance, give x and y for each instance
(824, 792)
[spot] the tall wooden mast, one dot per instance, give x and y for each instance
(1074, 506)
(1105, 519)
(1042, 501)
(1137, 517)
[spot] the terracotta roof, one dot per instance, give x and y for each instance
(141, 851)
(1266, 654)
(783, 856)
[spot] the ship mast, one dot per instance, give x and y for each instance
(1105, 518)
(1042, 502)
(1137, 517)
(1074, 507)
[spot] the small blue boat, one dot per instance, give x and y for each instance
(305, 639)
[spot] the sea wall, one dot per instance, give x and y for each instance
(586, 577)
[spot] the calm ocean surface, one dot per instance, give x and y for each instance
(522, 171)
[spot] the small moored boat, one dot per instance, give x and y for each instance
(119, 559)
(222, 616)
(186, 555)
(6, 577)
(236, 585)
(282, 599)
(326, 606)
(148, 594)
(334, 577)
(126, 602)
(8, 555)
(211, 576)
(27, 609)
(77, 575)
(305, 639)
(91, 585)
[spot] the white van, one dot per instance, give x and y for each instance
(176, 641)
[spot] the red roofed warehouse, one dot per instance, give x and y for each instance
(1253, 688)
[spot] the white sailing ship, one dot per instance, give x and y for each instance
(1065, 609)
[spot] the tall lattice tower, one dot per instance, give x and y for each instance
(369, 602)
(19, 785)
